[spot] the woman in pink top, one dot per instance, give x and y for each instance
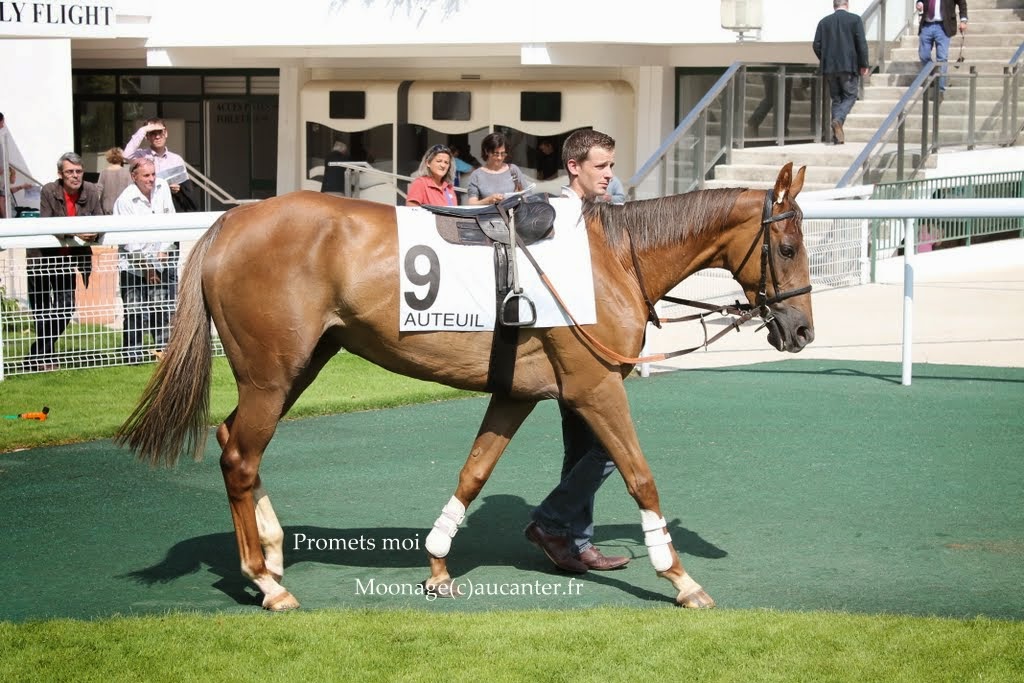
(433, 180)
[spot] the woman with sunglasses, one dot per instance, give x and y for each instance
(490, 183)
(433, 180)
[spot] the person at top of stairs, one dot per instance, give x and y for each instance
(840, 45)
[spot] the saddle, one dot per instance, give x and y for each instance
(485, 225)
(532, 219)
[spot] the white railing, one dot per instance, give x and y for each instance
(835, 232)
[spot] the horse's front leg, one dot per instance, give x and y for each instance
(502, 419)
(606, 410)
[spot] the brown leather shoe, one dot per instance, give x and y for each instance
(596, 560)
(557, 548)
(837, 133)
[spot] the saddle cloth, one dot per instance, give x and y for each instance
(451, 287)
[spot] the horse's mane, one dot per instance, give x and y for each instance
(666, 220)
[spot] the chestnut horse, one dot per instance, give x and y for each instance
(290, 281)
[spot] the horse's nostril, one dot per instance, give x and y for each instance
(805, 334)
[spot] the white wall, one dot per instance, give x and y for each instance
(469, 22)
(37, 74)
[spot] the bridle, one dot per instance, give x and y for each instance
(762, 302)
(744, 312)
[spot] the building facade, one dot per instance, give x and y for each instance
(255, 94)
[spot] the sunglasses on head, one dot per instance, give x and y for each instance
(438, 149)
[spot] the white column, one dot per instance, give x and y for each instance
(38, 71)
(290, 154)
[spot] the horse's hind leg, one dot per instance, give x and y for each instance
(270, 532)
(502, 419)
(248, 432)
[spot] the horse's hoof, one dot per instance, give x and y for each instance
(281, 602)
(695, 600)
(443, 589)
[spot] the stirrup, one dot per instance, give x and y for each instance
(515, 297)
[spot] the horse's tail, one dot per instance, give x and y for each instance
(173, 412)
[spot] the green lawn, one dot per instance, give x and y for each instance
(576, 645)
(91, 404)
(617, 644)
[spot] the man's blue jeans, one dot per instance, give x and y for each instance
(933, 35)
(569, 508)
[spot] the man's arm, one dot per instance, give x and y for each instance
(962, 6)
(47, 207)
(134, 147)
(861, 45)
(817, 41)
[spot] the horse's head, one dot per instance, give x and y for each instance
(774, 271)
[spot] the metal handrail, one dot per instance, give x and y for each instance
(909, 97)
(212, 188)
(683, 128)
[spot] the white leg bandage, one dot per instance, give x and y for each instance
(439, 540)
(657, 540)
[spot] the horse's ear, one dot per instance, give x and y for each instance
(783, 182)
(798, 183)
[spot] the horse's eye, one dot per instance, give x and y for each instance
(787, 250)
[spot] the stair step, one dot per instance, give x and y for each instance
(751, 173)
(992, 4)
(763, 185)
(1007, 15)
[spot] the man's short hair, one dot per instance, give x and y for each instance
(139, 162)
(836, 4)
(578, 145)
(68, 156)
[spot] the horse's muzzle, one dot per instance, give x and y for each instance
(790, 330)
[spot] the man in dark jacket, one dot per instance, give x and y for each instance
(841, 47)
(938, 25)
(51, 270)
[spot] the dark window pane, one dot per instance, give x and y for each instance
(452, 106)
(96, 84)
(347, 104)
(540, 106)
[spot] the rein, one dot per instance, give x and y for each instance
(743, 311)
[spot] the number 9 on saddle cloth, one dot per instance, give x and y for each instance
(530, 219)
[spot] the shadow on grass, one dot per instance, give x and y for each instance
(491, 537)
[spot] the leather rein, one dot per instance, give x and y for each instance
(743, 311)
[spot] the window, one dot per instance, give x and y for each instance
(540, 106)
(347, 104)
(451, 106)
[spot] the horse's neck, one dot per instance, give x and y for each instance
(711, 247)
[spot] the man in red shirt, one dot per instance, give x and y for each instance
(51, 270)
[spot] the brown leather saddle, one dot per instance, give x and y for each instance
(486, 225)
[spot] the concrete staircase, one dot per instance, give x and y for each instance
(995, 30)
